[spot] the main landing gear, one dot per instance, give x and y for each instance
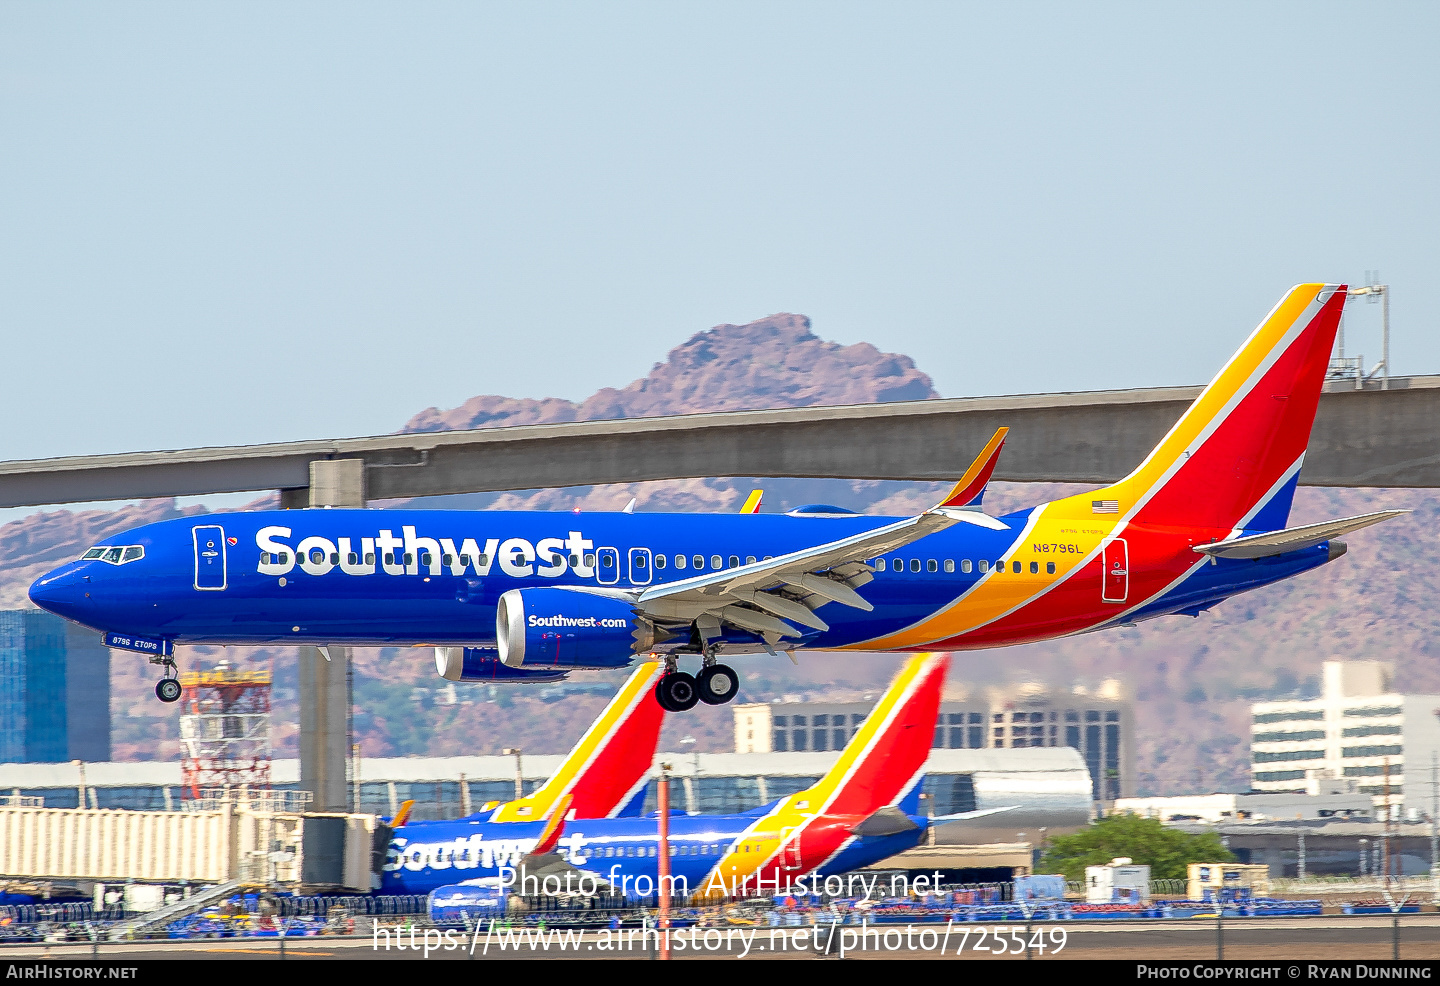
(167, 689)
(677, 691)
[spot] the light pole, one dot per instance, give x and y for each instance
(519, 774)
(1381, 293)
(689, 743)
(662, 872)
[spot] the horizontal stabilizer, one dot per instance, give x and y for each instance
(1293, 539)
(964, 815)
(889, 820)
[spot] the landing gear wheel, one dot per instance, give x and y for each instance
(718, 684)
(167, 690)
(677, 692)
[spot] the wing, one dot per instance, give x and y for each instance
(761, 597)
(1293, 539)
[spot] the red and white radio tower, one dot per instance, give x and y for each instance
(225, 730)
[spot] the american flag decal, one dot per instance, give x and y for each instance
(1104, 506)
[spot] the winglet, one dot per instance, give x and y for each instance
(554, 826)
(752, 502)
(971, 488)
(403, 815)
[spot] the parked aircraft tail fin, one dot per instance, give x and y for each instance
(885, 760)
(609, 765)
(1233, 459)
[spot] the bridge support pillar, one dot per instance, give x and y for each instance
(325, 685)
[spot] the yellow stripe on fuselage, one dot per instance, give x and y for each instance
(1052, 534)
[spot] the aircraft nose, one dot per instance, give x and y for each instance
(62, 592)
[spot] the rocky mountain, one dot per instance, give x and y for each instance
(1193, 678)
(773, 362)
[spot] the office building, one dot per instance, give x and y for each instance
(1360, 728)
(54, 690)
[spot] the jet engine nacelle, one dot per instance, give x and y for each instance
(477, 664)
(568, 628)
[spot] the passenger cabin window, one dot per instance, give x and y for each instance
(659, 562)
(589, 560)
(879, 564)
(1015, 567)
(679, 561)
(915, 565)
(734, 561)
(965, 565)
(984, 565)
(931, 565)
(749, 559)
(1034, 568)
(1049, 568)
(949, 565)
(716, 562)
(699, 561)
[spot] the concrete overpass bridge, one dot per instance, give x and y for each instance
(1366, 437)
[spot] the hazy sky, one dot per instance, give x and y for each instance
(228, 223)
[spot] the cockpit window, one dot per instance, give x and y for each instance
(115, 555)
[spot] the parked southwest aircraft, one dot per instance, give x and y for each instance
(513, 594)
(865, 809)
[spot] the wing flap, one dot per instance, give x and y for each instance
(1294, 538)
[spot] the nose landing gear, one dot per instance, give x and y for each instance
(167, 689)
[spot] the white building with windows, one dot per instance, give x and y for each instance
(1359, 729)
(1099, 723)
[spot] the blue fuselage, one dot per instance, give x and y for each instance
(621, 853)
(405, 577)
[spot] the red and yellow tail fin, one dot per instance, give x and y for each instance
(971, 488)
(1233, 458)
(609, 765)
(752, 502)
(886, 757)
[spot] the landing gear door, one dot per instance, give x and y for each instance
(607, 566)
(1115, 577)
(209, 557)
